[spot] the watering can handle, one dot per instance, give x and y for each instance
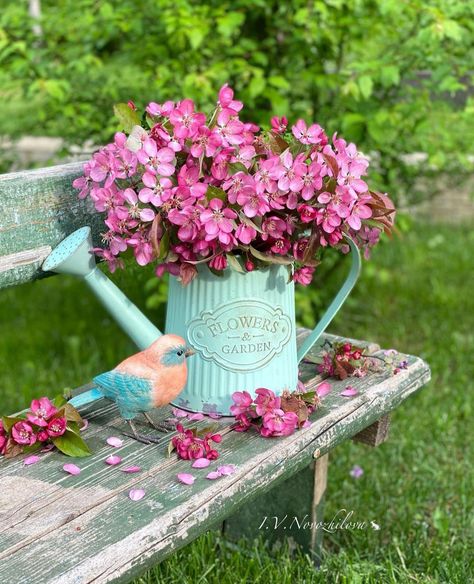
(336, 303)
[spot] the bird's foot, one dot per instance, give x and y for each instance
(160, 426)
(143, 438)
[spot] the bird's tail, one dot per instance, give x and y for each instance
(86, 398)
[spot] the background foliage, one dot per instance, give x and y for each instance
(394, 76)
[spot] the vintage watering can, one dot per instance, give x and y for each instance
(242, 325)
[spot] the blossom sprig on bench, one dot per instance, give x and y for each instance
(271, 415)
(182, 188)
(344, 359)
(46, 424)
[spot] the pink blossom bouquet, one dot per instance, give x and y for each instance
(44, 426)
(181, 188)
(273, 415)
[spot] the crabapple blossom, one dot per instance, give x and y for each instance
(23, 433)
(41, 411)
(312, 135)
(217, 221)
(216, 184)
(185, 120)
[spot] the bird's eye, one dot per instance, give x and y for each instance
(180, 352)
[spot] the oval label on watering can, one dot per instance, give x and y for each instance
(242, 335)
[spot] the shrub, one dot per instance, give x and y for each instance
(394, 76)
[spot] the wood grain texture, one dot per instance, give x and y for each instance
(38, 209)
(376, 433)
(319, 498)
(106, 537)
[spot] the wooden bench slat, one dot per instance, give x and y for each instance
(101, 536)
(38, 209)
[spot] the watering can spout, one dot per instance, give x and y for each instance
(72, 256)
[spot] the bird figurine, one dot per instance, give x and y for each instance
(149, 379)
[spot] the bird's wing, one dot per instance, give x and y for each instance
(131, 394)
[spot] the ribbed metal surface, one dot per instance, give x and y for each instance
(212, 380)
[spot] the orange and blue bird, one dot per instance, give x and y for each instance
(147, 380)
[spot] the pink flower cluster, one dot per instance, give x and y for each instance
(42, 424)
(189, 446)
(264, 412)
(185, 189)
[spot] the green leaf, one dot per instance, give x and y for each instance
(71, 444)
(366, 85)
(126, 116)
(164, 245)
(250, 223)
(59, 401)
(297, 148)
(257, 85)
(10, 421)
(196, 35)
(218, 273)
(71, 414)
(211, 429)
(237, 167)
(389, 75)
(229, 24)
(74, 427)
(215, 193)
(170, 449)
(234, 263)
(269, 258)
(279, 81)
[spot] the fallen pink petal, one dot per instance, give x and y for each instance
(113, 460)
(349, 391)
(185, 478)
(48, 448)
(306, 424)
(390, 352)
(179, 413)
(214, 416)
(196, 417)
(72, 469)
(356, 472)
(33, 459)
(131, 469)
(213, 475)
(226, 469)
(323, 389)
(201, 463)
(115, 442)
(300, 386)
(136, 494)
(85, 425)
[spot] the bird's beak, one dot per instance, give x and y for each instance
(189, 351)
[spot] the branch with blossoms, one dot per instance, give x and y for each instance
(44, 426)
(180, 188)
(273, 416)
(344, 359)
(194, 444)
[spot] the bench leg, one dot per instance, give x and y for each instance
(289, 512)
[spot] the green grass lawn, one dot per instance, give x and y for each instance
(415, 295)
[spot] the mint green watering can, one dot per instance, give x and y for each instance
(242, 325)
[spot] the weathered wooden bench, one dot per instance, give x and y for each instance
(105, 536)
